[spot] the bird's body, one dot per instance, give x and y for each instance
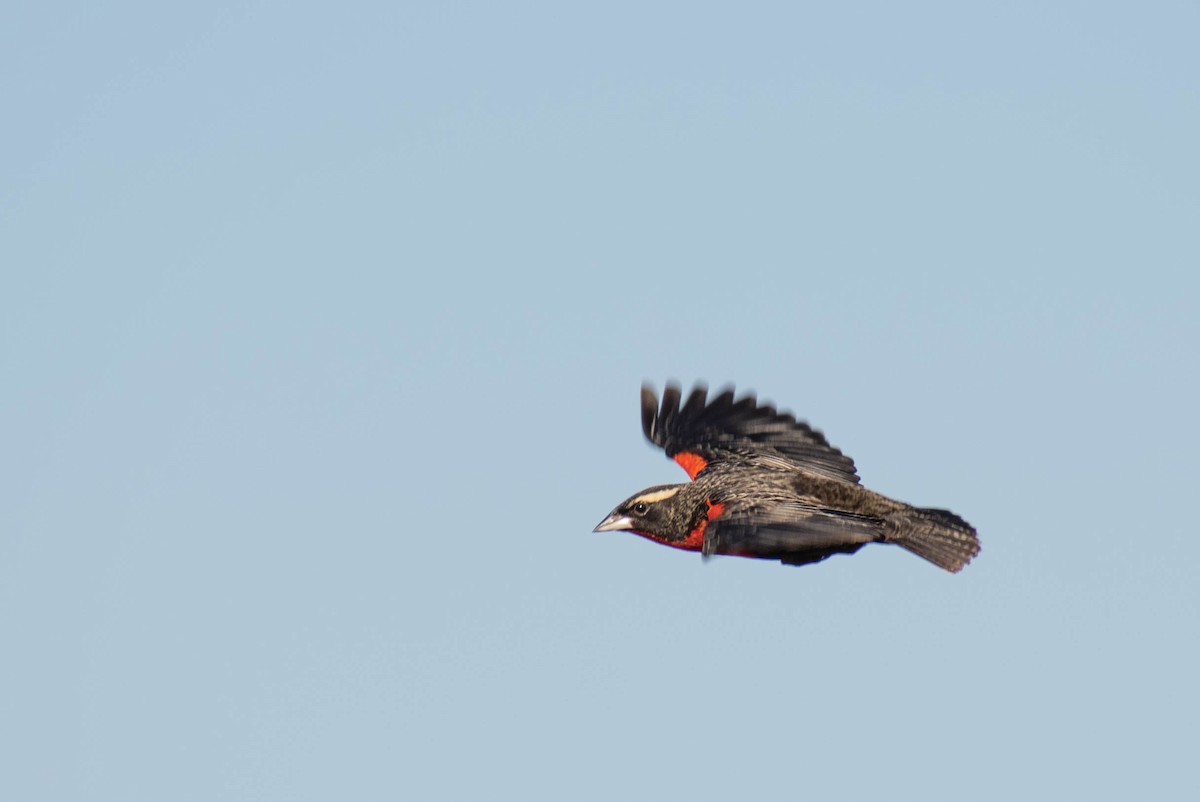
(765, 485)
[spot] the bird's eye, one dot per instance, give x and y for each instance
(641, 507)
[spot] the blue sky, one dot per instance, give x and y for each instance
(322, 330)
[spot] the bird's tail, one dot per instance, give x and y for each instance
(939, 536)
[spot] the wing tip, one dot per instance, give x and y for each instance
(649, 410)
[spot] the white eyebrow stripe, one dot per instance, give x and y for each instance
(657, 495)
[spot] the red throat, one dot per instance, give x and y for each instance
(695, 539)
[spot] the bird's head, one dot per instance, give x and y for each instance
(658, 512)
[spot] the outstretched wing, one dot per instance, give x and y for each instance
(704, 431)
(792, 532)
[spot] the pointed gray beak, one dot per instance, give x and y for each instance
(614, 523)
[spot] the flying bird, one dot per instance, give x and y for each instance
(768, 486)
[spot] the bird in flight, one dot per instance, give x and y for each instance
(768, 486)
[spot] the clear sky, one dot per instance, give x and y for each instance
(322, 328)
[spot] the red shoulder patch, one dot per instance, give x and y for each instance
(691, 462)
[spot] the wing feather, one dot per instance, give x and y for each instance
(791, 531)
(723, 427)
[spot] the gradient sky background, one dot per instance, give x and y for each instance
(322, 329)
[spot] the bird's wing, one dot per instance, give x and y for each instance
(793, 532)
(704, 431)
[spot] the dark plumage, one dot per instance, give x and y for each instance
(766, 485)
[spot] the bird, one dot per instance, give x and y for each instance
(765, 485)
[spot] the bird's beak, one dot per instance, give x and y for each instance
(614, 523)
